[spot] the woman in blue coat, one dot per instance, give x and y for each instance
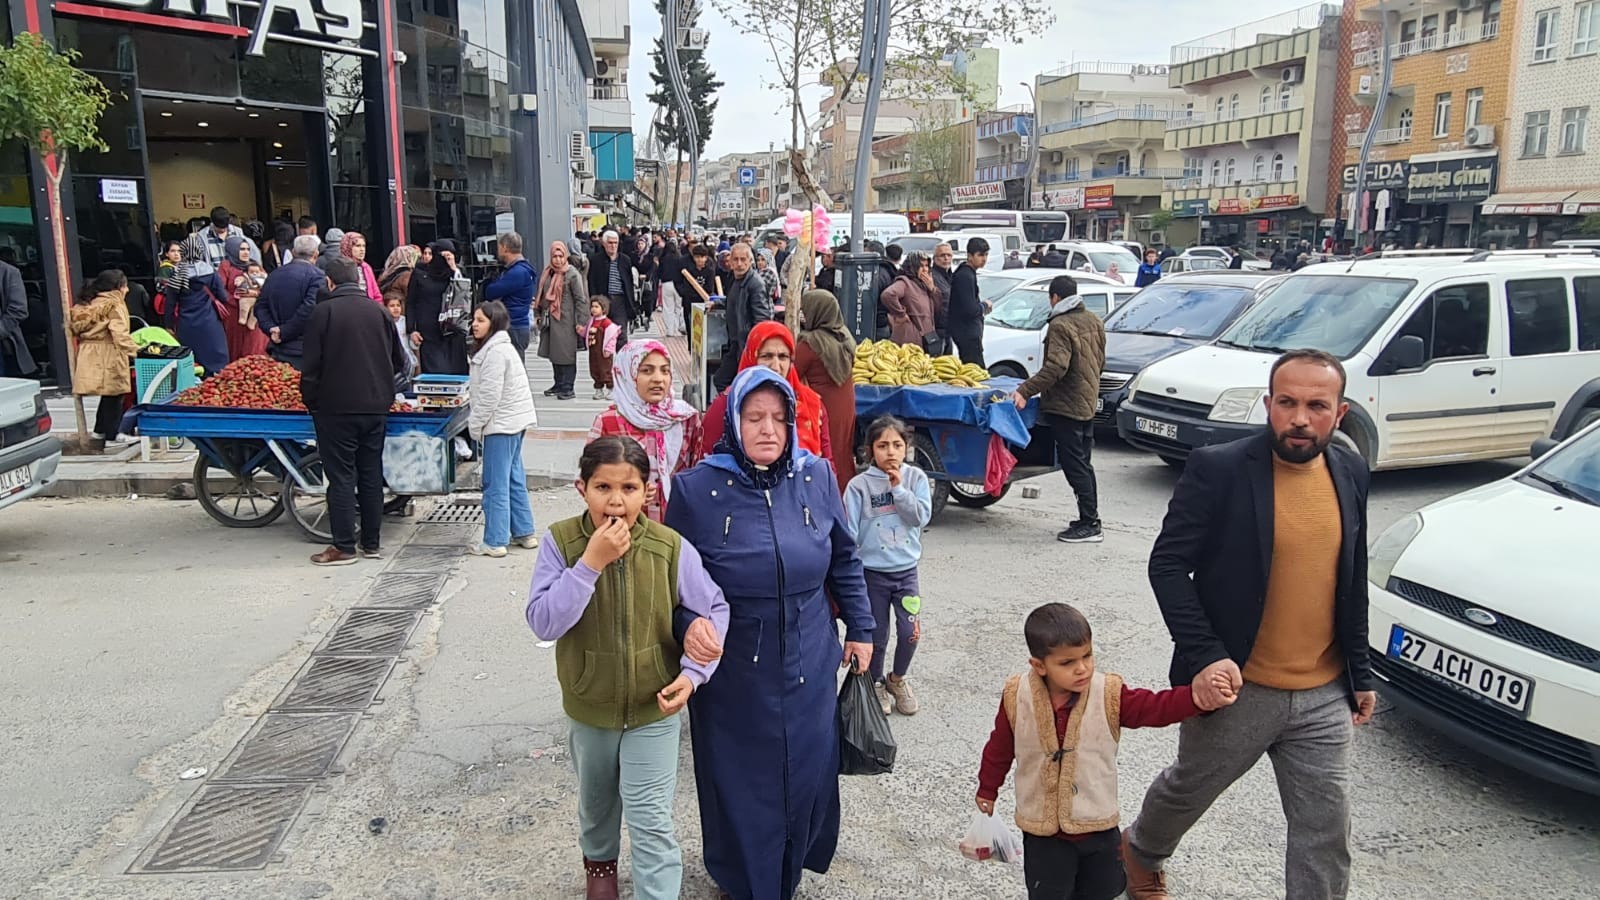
(199, 290)
(768, 522)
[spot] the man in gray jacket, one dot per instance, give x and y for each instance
(747, 303)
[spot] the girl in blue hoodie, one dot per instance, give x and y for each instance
(886, 508)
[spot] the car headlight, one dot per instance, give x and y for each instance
(1133, 383)
(1236, 405)
(1388, 548)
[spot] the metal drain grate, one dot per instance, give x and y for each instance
(404, 590)
(228, 828)
(425, 558)
(448, 535)
(335, 682)
(456, 512)
(290, 748)
(371, 632)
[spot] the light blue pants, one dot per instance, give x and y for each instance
(630, 775)
(506, 511)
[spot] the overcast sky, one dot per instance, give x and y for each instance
(750, 113)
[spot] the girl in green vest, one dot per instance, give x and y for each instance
(605, 588)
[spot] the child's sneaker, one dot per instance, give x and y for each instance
(905, 702)
(884, 700)
(599, 393)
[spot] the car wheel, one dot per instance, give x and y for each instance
(1354, 438)
(1008, 370)
(1584, 420)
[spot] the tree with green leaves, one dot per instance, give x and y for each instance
(702, 84)
(53, 109)
(938, 160)
(1591, 224)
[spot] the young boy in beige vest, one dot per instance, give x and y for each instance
(1060, 722)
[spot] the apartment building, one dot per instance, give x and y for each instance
(1438, 119)
(1253, 140)
(999, 172)
(609, 171)
(1550, 169)
(1102, 144)
(915, 173)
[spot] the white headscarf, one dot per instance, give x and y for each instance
(662, 422)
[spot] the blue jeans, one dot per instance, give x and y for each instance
(506, 511)
(630, 775)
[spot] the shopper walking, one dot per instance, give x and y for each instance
(747, 304)
(824, 359)
(287, 301)
(1068, 384)
(645, 408)
(441, 350)
(502, 410)
(1260, 570)
(352, 355)
(611, 275)
(966, 307)
(561, 314)
(514, 287)
(99, 321)
(200, 297)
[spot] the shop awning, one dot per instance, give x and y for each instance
(1583, 203)
(1526, 203)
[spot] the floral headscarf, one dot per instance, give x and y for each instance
(400, 259)
(663, 423)
(348, 242)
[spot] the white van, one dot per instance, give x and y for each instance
(924, 244)
(1098, 257)
(1449, 359)
(881, 227)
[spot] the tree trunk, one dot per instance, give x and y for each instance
(58, 236)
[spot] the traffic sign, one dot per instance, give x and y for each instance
(747, 176)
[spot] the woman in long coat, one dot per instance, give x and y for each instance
(244, 338)
(439, 353)
(99, 320)
(561, 312)
(199, 293)
(771, 533)
(824, 357)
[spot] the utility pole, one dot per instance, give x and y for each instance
(874, 55)
(1033, 148)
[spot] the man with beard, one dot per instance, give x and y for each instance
(1261, 573)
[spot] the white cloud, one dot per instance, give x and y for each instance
(750, 113)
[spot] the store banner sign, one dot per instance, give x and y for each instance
(311, 23)
(1101, 196)
(983, 192)
(1190, 208)
(1380, 176)
(1522, 209)
(1452, 180)
(1275, 201)
(1232, 206)
(1580, 209)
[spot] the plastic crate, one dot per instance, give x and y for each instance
(156, 380)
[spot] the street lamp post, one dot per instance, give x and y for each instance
(1033, 149)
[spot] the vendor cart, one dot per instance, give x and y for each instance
(255, 464)
(960, 432)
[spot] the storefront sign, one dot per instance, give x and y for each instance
(1232, 206)
(1101, 196)
(1275, 201)
(1380, 175)
(1451, 180)
(1522, 209)
(1580, 209)
(118, 190)
(983, 192)
(315, 23)
(1189, 208)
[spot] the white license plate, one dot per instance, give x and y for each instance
(1099, 405)
(1489, 682)
(1159, 429)
(15, 480)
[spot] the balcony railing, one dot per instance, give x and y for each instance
(1000, 172)
(1302, 19)
(1392, 135)
(998, 159)
(1186, 118)
(608, 92)
(1191, 181)
(1443, 40)
(1135, 113)
(1102, 172)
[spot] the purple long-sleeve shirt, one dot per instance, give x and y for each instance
(559, 596)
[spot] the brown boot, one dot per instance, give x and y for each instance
(602, 879)
(1143, 883)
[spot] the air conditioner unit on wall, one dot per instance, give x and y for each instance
(1469, 4)
(1056, 156)
(580, 168)
(601, 67)
(1293, 74)
(1158, 237)
(1480, 136)
(579, 144)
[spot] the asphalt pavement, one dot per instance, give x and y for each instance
(144, 640)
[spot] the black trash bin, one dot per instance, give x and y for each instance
(857, 300)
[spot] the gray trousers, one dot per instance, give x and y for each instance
(1306, 734)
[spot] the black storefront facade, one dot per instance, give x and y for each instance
(1430, 200)
(406, 121)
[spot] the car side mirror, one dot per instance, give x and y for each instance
(1542, 447)
(1407, 352)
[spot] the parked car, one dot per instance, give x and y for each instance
(1013, 332)
(924, 244)
(1167, 318)
(994, 286)
(1098, 257)
(1449, 359)
(1174, 265)
(1477, 622)
(28, 454)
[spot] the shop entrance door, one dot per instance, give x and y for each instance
(254, 160)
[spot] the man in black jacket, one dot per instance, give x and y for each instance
(287, 299)
(352, 355)
(747, 303)
(966, 307)
(943, 271)
(1054, 258)
(888, 270)
(1261, 574)
(611, 274)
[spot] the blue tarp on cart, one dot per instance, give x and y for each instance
(989, 408)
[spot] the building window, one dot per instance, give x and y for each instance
(1430, 33)
(1233, 171)
(1441, 115)
(1586, 28)
(1285, 94)
(1452, 27)
(1194, 168)
(1491, 19)
(1408, 37)
(1233, 107)
(1474, 107)
(1221, 109)
(1535, 133)
(1216, 172)
(1277, 167)
(1574, 128)
(1546, 30)
(1072, 169)
(1266, 100)
(1405, 123)
(1258, 172)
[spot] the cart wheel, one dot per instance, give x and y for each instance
(238, 494)
(926, 458)
(973, 496)
(309, 509)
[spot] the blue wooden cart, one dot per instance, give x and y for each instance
(254, 465)
(954, 435)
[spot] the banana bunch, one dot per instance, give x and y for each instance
(887, 363)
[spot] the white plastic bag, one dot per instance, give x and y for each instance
(989, 838)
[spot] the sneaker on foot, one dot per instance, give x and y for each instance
(599, 394)
(333, 556)
(374, 553)
(605, 393)
(884, 700)
(905, 702)
(527, 541)
(1082, 533)
(568, 395)
(486, 550)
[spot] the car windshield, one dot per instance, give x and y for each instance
(1334, 313)
(1044, 232)
(993, 286)
(1181, 310)
(1126, 262)
(1025, 309)
(1573, 470)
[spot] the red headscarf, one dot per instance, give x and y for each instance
(808, 403)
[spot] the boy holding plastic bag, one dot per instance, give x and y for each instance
(1060, 722)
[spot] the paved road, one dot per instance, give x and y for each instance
(162, 657)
